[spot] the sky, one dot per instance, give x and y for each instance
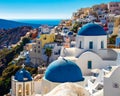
(43, 9)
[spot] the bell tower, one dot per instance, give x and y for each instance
(22, 83)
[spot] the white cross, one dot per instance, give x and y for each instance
(23, 65)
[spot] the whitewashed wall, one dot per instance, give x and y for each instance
(97, 62)
(109, 84)
(95, 39)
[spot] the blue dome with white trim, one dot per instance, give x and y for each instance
(91, 29)
(23, 75)
(63, 70)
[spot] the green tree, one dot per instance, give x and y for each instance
(25, 40)
(112, 39)
(48, 53)
(5, 79)
(6, 55)
(76, 26)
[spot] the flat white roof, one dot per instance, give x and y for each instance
(110, 73)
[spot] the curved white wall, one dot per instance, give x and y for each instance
(47, 86)
(82, 62)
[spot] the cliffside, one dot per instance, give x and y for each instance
(12, 36)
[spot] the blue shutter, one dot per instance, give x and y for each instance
(89, 64)
(80, 45)
(102, 44)
(90, 45)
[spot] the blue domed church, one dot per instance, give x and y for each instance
(58, 72)
(91, 50)
(22, 83)
(61, 71)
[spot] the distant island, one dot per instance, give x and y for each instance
(8, 24)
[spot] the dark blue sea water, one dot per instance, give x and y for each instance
(50, 22)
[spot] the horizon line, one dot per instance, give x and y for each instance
(35, 18)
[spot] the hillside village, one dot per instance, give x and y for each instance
(91, 36)
(106, 15)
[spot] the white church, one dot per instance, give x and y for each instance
(71, 68)
(60, 74)
(91, 50)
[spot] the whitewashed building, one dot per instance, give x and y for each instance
(44, 29)
(58, 72)
(91, 50)
(22, 84)
(112, 82)
(56, 47)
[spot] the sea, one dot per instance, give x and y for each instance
(50, 22)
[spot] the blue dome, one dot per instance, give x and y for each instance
(70, 33)
(91, 29)
(65, 28)
(23, 75)
(63, 70)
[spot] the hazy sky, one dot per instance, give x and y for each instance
(51, 9)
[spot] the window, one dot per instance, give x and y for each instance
(27, 89)
(90, 45)
(80, 44)
(19, 90)
(89, 64)
(59, 51)
(45, 38)
(38, 51)
(102, 44)
(55, 53)
(115, 85)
